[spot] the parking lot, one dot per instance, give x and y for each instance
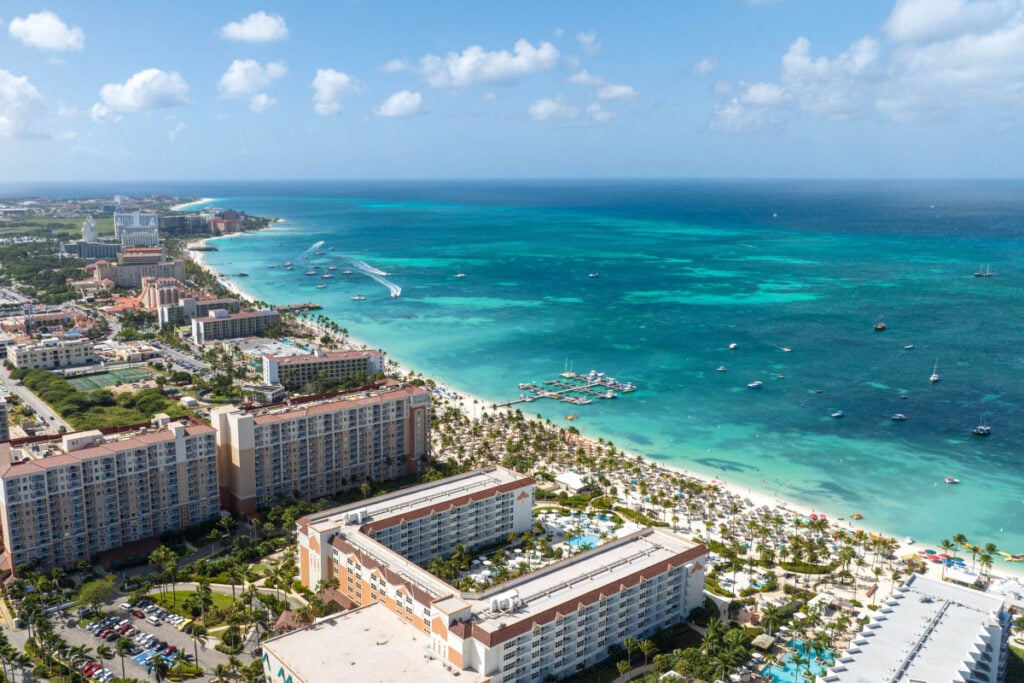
(148, 639)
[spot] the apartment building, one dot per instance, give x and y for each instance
(52, 353)
(65, 499)
(293, 371)
(930, 630)
(187, 308)
(223, 325)
(5, 427)
(544, 624)
(135, 263)
(137, 229)
(160, 291)
(319, 445)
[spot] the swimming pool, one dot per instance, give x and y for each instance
(786, 672)
(584, 540)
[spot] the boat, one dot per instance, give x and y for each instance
(332, 267)
(856, 515)
(733, 345)
(908, 347)
(837, 414)
(880, 326)
(311, 273)
(909, 540)
(982, 430)
(524, 385)
(319, 253)
(460, 275)
(346, 272)
(984, 273)
(898, 417)
(786, 349)
(608, 394)
(330, 248)
(952, 480)
(594, 276)
(321, 286)
(935, 373)
(721, 368)
(358, 297)
(326, 276)
(756, 384)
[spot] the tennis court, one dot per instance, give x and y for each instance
(108, 379)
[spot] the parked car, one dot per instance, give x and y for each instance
(138, 614)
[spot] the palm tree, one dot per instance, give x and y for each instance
(623, 666)
(222, 672)
(236, 575)
(631, 644)
(799, 661)
(770, 617)
(77, 654)
(960, 540)
(648, 648)
(199, 636)
(159, 668)
(123, 647)
(946, 546)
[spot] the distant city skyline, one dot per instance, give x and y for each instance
(395, 90)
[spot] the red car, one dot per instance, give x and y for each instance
(139, 614)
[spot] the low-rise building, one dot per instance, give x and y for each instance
(319, 445)
(929, 630)
(64, 499)
(223, 325)
(541, 625)
(52, 353)
(293, 371)
(136, 352)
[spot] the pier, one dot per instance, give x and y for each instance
(574, 388)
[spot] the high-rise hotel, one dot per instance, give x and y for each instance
(548, 623)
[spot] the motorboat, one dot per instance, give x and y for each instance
(311, 273)
(326, 276)
(838, 414)
(321, 286)
(460, 275)
(608, 394)
(982, 430)
(594, 276)
(908, 347)
(756, 384)
(346, 272)
(358, 297)
(952, 480)
(734, 345)
(898, 417)
(721, 368)
(880, 326)
(332, 267)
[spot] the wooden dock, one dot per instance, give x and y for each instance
(574, 388)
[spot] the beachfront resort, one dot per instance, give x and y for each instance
(471, 539)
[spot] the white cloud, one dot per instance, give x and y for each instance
(46, 31)
(705, 66)
(248, 77)
(258, 27)
(148, 89)
(474, 65)
(261, 102)
(394, 66)
(173, 134)
(763, 94)
(589, 42)
(598, 113)
(547, 109)
(616, 92)
(67, 110)
(20, 104)
(559, 32)
(584, 77)
(402, 103)
(929, 20)
(330, 87)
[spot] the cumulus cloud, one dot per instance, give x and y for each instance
(173, 134)
(547, 109)
(474, 65)
(258, 27)
(705, 66)
(402, 103)
(146, 90)
(584, 77)
(248, 77)
(616, 92)
(261, 102)
(46, 31)
(330, 87)
(929, 20)
(598, 113)
(589, 42)
(20, 104)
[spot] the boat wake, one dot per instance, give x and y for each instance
(377, 275)
(316, 245)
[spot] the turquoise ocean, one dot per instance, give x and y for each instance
(687, 269)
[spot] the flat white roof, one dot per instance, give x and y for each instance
(925, 632)
(415, 498)
(369, 644)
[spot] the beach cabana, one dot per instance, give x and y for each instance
(571, 482)
(763, 642)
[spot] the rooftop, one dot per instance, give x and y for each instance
(367, 644)
(238, 316)
(37, 454)
(329, 403)
(926, 631)
(261, 346)
(325, 356)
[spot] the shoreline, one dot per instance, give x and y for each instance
(474, 406)
(192, 204)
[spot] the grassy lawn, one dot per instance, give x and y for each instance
(1015, 665)
(174, 601)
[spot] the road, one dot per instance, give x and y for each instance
(53, 421)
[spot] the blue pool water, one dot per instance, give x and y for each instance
(787, 672)
(584, 540)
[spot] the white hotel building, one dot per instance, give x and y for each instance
(929, 631)
(551, 622)
(137, 229)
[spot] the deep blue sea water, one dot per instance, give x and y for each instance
(686, 269)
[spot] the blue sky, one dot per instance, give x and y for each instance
(360, 89)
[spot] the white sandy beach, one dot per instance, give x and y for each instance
(193, 204)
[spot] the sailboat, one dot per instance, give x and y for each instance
(935, 373)
(984, 273)
(982, 429)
